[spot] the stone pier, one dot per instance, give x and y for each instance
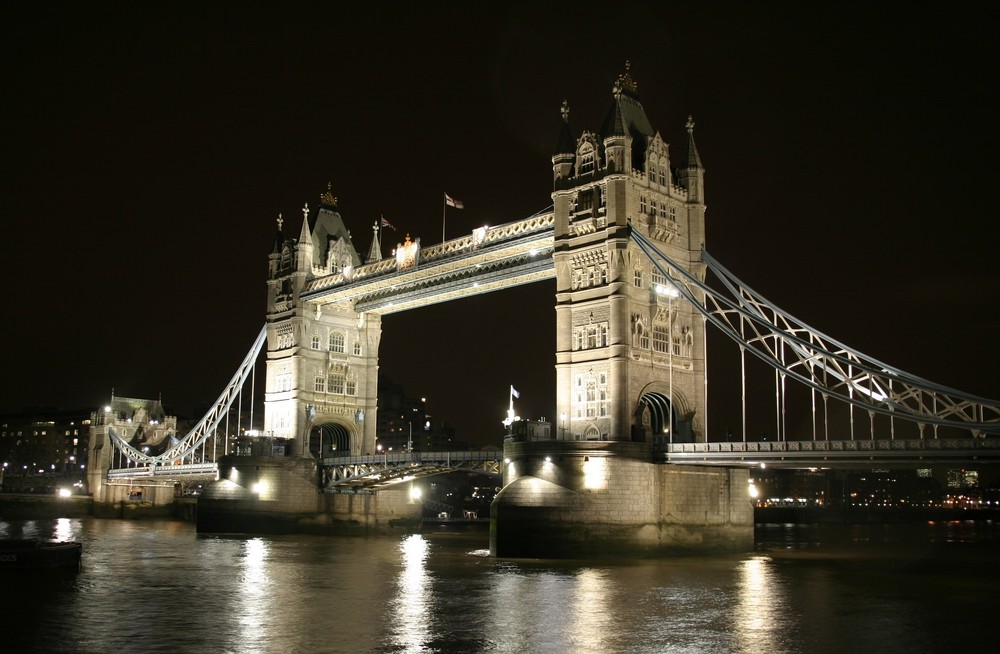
(262, 494)
(578, 499)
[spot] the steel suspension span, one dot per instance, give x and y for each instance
(799, 352)
(187, 446)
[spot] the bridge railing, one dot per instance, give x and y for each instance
(179, 470)
(821, 452)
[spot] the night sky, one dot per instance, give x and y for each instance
(850, 155)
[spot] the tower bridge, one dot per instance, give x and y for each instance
(633, 463)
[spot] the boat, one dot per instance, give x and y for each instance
(34, 553)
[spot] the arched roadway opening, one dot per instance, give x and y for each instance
(331, 438)
(661, 421)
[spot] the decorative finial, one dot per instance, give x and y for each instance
(690, 124)
(625, 80)
(280, 221)
(565, 111)
(305, 212)
(328, 198)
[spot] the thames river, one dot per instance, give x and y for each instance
(158, 586)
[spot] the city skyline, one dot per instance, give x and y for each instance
(149, 152)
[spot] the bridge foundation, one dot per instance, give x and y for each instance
(281, 495)
(575, 499)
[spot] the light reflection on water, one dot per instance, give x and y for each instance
(159, 587)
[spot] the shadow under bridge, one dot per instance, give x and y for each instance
(368, 474)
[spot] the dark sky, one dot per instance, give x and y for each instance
(147, 150)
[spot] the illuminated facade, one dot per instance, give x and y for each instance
(322, 361)
(630, 358)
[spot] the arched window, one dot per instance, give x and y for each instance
(337, 342)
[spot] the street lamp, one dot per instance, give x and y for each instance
(562, 417)
(671, 292)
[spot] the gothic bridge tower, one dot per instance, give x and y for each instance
(322, 362)
(630, 354)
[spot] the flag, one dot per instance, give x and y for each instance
(452, 202)
(386, 223)
(513, 391)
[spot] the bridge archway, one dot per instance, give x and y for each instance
(661, 421)
(331, 437)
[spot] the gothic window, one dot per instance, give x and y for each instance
(673, 214)
(320, 385)
(357, 348)
(315, 342)
(350, 387)
(637, 277)
(586, 159)
(663, 176)
(577, 278)
(585, 201)
(661, 336)
(337, 342)
(604, 273)
(659, 279)
(284, 382)
(336, 383)
(676, 345)
(642, 204)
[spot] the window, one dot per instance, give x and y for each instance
(357, 348)
(351, 387)
(585, 201)
(284, 381)
(337, 342)
(673, 214)
(320, 385)
(642, 204)
(663, 176)
(661, 336)
(315, 342)
(337, 384)
(637, 277)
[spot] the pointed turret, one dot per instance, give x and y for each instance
(692, 176)
(304, 251)
(375, 251)
(562, 160)
(626, 128)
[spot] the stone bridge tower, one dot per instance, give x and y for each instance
(322, 362)
(630, 354)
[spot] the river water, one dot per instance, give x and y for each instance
(158, 586)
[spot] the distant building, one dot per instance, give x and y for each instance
(404, 420)
(43, 447)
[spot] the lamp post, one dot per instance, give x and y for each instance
(671, 292)
(562, 417)
(409, 442)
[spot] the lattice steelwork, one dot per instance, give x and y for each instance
(187, 446)
(834, 370)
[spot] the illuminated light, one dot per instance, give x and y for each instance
(594, 473)
(259, 488)
(754, 493)
(763, 465)
(548, 458)
(65, 492)
(415, 492)
(506, 460)
(532, 252)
